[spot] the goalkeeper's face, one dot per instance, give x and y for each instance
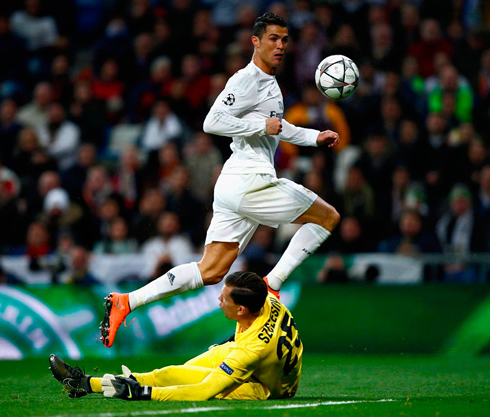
(226, 303)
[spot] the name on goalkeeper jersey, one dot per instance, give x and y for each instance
(268, 330)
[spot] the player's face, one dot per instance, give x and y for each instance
(271, 47)
(226, 303)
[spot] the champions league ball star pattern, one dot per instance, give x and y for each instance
(337, 77)
(229, 100)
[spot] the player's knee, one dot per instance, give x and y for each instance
(212, 280)
(213, 274)
(333, 217)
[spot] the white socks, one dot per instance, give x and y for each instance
(303, 244)
(180, 279)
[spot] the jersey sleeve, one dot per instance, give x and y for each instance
(235, 370)
(298, 135)
(237, 98)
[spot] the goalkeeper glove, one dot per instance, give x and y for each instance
(126, 388)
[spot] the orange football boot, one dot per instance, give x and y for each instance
(116, 311)
(275, 292)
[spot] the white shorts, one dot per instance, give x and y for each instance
(243, 202)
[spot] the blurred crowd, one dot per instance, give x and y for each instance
(102, 105)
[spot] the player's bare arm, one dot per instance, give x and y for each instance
(328, 137)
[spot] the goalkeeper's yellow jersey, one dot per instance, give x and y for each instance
(262, 362)
(270, 351)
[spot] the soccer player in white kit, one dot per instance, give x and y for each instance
(247, 193)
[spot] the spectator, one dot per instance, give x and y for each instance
(11, 230)
(333, 270)
(308, 52)
(163, 127)
(60, 137)
(140, 61)
(115, 44)
(13, 68)
(38, 31)
(412, 88)
(40, 35)
(352, 238)
(203, 160)
(151, 205)
(317, 113)
(358, 197)
(430, 44)
(457, 233)
(9, 130)
(386, 56)
(9, 179)
(37, 243)
(482, 210)
(181, 201)
(257, 254)
(109, 88)
(455, 227)
(140, 17)
(78, 271)
(88, 113)
(169, 248)
(108, 211)
(31, 160)
(377, 165)
(60, 80)
(451, 86)
(48, 181)
(74, 177)
(118, 242)
(144, 95)
(97, 187)
(128, 179)
(196, 87)
(411, 151)
(60, 215)
(411, 239)
(36, 113)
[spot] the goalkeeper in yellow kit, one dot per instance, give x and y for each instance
(262, 361)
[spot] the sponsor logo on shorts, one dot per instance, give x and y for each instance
(226, 368)
(171, 278)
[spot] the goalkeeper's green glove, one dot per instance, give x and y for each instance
(126, 388)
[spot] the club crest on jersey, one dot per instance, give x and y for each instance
(226, 368)
(229, 100)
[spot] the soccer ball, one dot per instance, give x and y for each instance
(337, 76)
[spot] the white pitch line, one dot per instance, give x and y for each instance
(209, 409)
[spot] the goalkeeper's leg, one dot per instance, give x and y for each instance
(170, 376)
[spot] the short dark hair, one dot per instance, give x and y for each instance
(267, 19)
(247, 289)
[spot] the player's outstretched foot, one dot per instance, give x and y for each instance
(74, 380)
(116, 311)
(275, 292)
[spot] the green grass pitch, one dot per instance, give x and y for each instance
(331, 386)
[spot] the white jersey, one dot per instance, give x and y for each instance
(249, 98)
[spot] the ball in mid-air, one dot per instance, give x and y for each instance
(337, 76)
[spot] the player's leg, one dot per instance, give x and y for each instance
(214, 265)
(228, 234)
(318, 223)
(280, 201)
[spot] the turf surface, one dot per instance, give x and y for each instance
(331, 385)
